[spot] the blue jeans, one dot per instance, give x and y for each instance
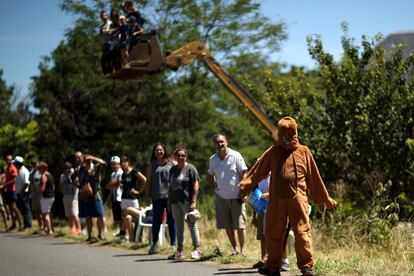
(23, 203)
(158, 207)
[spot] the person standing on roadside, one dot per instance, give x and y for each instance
(11, 197)
(47, 189)
(22, 191)
(80, 164)
(157, 193)
(3, 210)
(90, 200)
(116, 190)
(226, 169)
(34, 178)
(182, 199)
(70, 198)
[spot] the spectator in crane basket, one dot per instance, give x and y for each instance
(106, 37)
(115, 56)
(135, 32)
(123, 30)
(130, 11)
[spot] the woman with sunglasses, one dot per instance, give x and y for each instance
(182, 198)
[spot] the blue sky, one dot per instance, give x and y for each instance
(33, 28)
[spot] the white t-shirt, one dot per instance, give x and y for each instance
(228, 173)
(264, 185)
(22, 178)
(117, 190)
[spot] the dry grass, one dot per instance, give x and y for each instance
(334, 257)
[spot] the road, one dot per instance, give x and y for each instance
(23, 254)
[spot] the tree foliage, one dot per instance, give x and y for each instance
(81, 110)
(369, 110)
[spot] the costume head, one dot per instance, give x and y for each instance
(288, 133)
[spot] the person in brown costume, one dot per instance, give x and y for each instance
(294, 176)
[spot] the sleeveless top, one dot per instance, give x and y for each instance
(129, 181)
(50, 187)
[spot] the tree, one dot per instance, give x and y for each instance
(81, 110)
(369, 111)
(6, 93)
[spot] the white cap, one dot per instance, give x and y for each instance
(115, 159)
(18, 159)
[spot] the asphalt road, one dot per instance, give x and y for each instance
(22, 254)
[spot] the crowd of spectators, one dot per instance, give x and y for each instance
(169, 187)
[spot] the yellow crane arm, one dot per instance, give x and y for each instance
(196, 50)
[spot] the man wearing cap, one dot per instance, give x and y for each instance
(294, 176)
(226, 169)
(115, 186)
(22, 190)
(10, 187)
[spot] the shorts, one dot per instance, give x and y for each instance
(260, 226)
(2, 209)
(71, 205)
(36, 204)
(10, 197)
(46, 204)
(125, 203)
(91, 208)
(116, 210)
(230, 214)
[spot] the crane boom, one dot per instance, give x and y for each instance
(197, 50)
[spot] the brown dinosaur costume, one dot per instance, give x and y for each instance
(294, 177)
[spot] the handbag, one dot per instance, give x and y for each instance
(86, 192)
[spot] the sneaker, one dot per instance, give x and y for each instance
(152, 250)
(285, 266)
(196, 255)
(176, 256)
(307, 272)
(259, 264)
(234, 253)
(117, 233)
(124, 238)
(179, 255)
